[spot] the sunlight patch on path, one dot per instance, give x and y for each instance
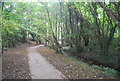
(40, 68)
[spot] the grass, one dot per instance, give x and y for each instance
(110, 60)
(107, 72)
(74, 68)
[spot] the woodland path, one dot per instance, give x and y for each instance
(40, 68)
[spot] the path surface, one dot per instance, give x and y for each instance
(40, 68)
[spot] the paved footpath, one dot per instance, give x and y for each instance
(40, 68)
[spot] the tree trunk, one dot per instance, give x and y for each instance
(111, 14)
(104, 48)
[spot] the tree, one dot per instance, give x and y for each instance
(114, 16)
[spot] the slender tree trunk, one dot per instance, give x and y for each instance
(2, 25)
(57, 45)
(104, 48)
(71, 29)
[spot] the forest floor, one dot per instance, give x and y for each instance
(70, 66)
(15, 63)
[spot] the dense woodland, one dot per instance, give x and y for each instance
(87, 30)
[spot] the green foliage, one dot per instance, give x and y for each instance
(106, 72)
(81, 25)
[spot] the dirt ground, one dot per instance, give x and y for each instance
(70, 67)
(15, 63)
